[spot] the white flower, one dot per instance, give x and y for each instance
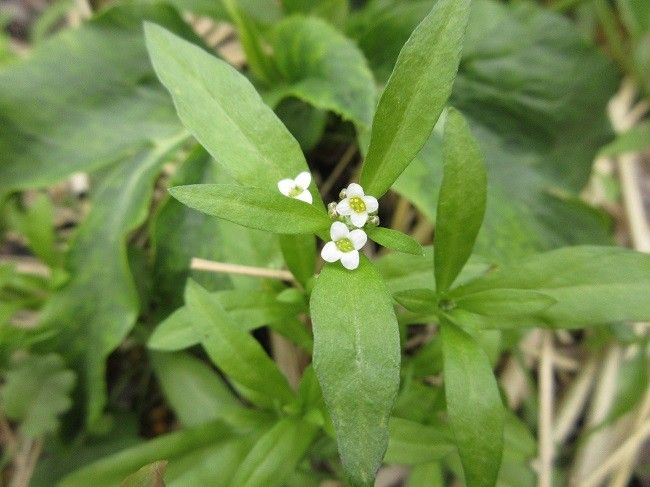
(345, 245)
(357, 205)
(297, 188)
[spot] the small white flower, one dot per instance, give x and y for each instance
(357, 205)
(297, 188)
(345, 245)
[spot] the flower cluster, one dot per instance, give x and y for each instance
(351, 214)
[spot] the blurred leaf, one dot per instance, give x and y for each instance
(505, 302)
(591, 286)
(461, 202)
(636, 139)
(474, 406)
(223, 111)
(111, 470)
(85, 98)
(257, 208)
(151, 475)
(334, 11)
(276, 454)
(95, 310)
(299, 253)
(636, 15)
(36, 391)
(412, 443)
(323, 68)
(426, 475)
(234, 351)
(392, 239)
(632, 383)
(305, 122)
(194, 391)
(415, 94)
(356, 359)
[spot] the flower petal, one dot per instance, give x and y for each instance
(330, 252)
(305, 196)
(359, 219)
(358, 238)
(354, 189)
(371, 203)
(343, 208)
(339, 230)
(350, 260)
(303, 180)
(285, 186)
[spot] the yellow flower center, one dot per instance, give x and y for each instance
(345, 245)
(357, 204)
(295, 191)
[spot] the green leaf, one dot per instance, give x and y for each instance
(392, 239)
(276, 454)
(474, 406)
(194, 391)
(36, 391)
(505, 302)
(83, 99)
(426, 475)
(334, 11)
(636, 139)
(535, 169)
(300, 255)
(323, 68)
(415, 94)
(111, 470)
(357, 360)
(413, 443)
(461, 203)
(258, 208)
(223, 111)
(152, 475)
(94, 311)
(250, 309)
(591, 286)
(418, 300)
(234, 351)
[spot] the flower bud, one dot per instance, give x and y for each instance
(343, 194)
(331, 210)
(373, 221)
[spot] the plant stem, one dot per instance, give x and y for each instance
(223, 267)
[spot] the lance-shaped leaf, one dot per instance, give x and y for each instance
(473, 405)
(461, 204)
(258, 208)
(505, 302)
(221, 108)
(591, 286)
(234, 351)
(356, 359)
(415, 95)
(412, 443)
(392, 239)
(276, 454)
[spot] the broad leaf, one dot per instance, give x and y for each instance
(194, 391)
(220, 107)
(276, 454)
(234, 351)
(258, 208)
(392, 239)
(591, 286)
(461, 203)
(83, 99)
(357, 360)
(474, 406)
(323, 68)
(94, 311)
(36, 391)
(415, 94)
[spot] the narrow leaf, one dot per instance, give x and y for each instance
(395, 240)
(253, 207)
(357, 360)
(473, 405)
(276, 454)
(418, 300)
(412, 443)
(234, 351)
(505, 302)
(221, 108)
(415, 95)
(300, 255)
(636, 139)
(461, 203)
(152, 475)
